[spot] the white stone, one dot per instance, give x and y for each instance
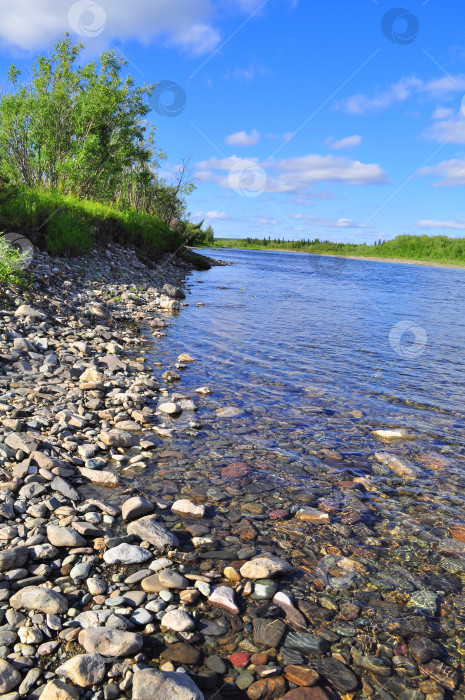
(177, 620)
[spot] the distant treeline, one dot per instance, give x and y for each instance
(433, 248)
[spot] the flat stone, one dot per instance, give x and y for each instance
(40, 599)
(315, 693)
(57, 690)
(22, 441)
(265, 567)
(223, 597)
(110, 642)
(177, 620)
(237, 470)
(422, 649)
(267, 688)
(187, 509)
(64, 536)
(116, 438)
(149, 530)
(389, 435)
(9, 677)
(170, 578)
(337, 674)
(444, 675)
(306, 642)
(182, 654)
(99, 478)
(300, 675)
(399, 465)
(268, 632)
(312, 515)
(126, 554)
(149, 683)
(62, 486)
(84, 669)
(24, 310)
(136, 507)
(13, 558)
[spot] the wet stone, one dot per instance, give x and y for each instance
(443, 674)
(305, 642)
(268, 632)
(338, 675)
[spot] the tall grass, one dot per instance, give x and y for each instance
(67, 225)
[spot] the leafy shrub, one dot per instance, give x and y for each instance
(11, 263)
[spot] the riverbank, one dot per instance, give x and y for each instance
(404, 261)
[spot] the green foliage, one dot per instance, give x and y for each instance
(195, 235)
(64, 224)
(71, 127)
(78, 160)
(423, 248)
(11, 264)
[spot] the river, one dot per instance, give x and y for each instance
(311, 354)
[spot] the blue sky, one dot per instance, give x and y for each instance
(301, 118)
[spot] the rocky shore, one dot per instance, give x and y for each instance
(106, 593)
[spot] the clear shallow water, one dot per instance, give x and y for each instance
(310, 350)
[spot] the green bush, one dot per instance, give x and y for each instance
(11, 263)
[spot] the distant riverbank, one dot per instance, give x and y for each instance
(405, 261)
(435, 251)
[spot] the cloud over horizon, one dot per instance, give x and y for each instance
(290, 175)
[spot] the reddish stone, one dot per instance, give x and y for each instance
(259, 659)
(458, 532)
(267, 688)
(239, 659)
(278, 514)
(315, 693)
(236, 470)
(347, 484)
(300, 675)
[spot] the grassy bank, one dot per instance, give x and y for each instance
(433, 249)
(66, 225)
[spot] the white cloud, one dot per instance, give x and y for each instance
(327, 222)
(216, 215)
(245, 73)
(442, 113)
(447, 131)
(456, 224)
(33, 24)
(347, 142)
(242, 138)
(451, 172)
(401, 91)
(291, 175)
(398, 92)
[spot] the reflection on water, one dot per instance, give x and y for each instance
(318, 353)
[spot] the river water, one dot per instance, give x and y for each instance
(311, 354)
